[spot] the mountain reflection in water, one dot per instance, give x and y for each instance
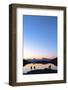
(37, 67)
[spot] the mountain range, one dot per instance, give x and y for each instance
(42, 61)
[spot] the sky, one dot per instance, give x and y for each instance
(40, 36)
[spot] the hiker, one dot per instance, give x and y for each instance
(34, 67)
(49, 66)
(31, 67)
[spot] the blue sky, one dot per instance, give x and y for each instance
(40, 36)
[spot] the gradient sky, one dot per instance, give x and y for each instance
(40, 36)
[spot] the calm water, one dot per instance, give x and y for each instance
(35, 66)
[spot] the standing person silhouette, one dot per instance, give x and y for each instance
(34, 67)
(31, 67)
(50, 67)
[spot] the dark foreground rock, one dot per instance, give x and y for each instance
(40, 71)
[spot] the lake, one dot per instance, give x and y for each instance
(38, 66)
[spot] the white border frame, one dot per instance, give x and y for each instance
(42, 77)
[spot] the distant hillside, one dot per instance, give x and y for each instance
(25, 62)
(42, 61)
(54, 61)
